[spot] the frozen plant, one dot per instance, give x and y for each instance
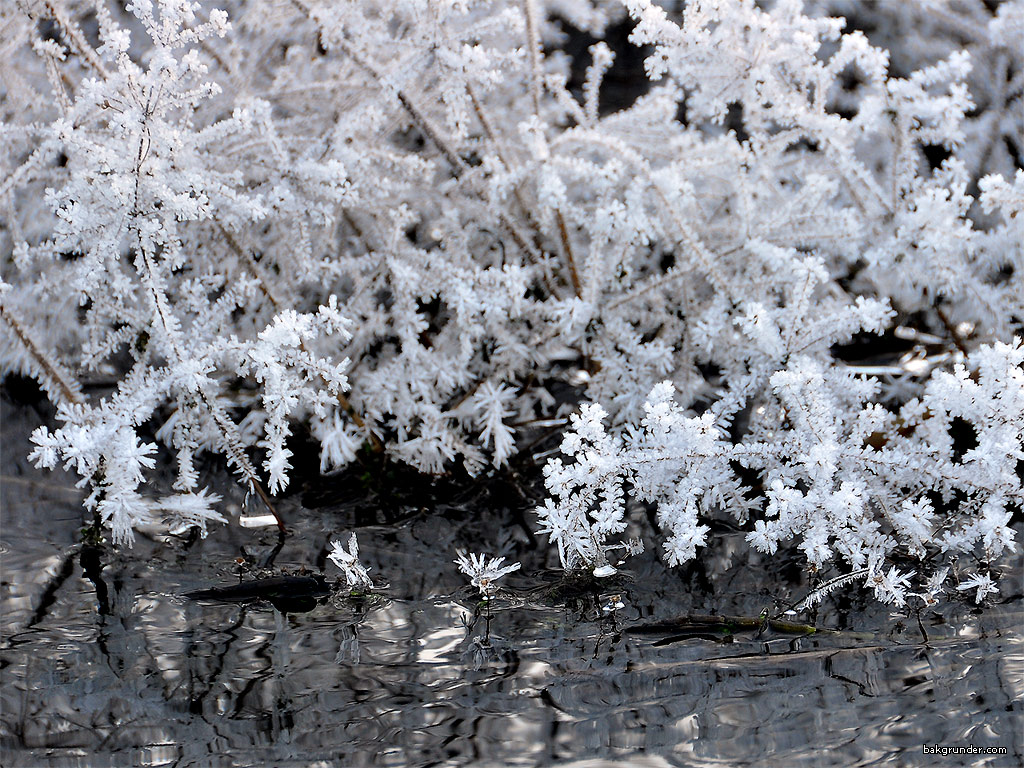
(982, 582)
(421, 226)
(828, 483)
(357, 576)
(678, 461)
(484, 571)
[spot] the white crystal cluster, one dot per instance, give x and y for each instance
(413, 225)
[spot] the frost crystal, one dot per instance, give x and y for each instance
(981, 582)
(483, 571)
(348, 561)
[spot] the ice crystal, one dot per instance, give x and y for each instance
(357, 576)
(484, 571)
(982, 582)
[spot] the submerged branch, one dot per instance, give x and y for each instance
(697, 625)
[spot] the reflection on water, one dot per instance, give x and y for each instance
(104, 663)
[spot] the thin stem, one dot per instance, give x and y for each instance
(51, 370)
(533, 49)
(261, 492)
(236, 455)
(493, 136)
(427, 127)
(77, 40)
(563, 234)
(820, 592)
(421, 120)
(953, 332)
(250, 264)
(233, 447)
(31, 163)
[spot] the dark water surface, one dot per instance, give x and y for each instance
(106, 664)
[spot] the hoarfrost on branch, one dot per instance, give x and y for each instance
(416, 226)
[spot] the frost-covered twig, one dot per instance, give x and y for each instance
(823, 590)
(59, 384)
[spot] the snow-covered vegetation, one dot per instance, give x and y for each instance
(418, 226)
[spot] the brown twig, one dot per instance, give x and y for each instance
(563, 234)
(533, 49)
(516, 193)
(50, 369)
(954, 334)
